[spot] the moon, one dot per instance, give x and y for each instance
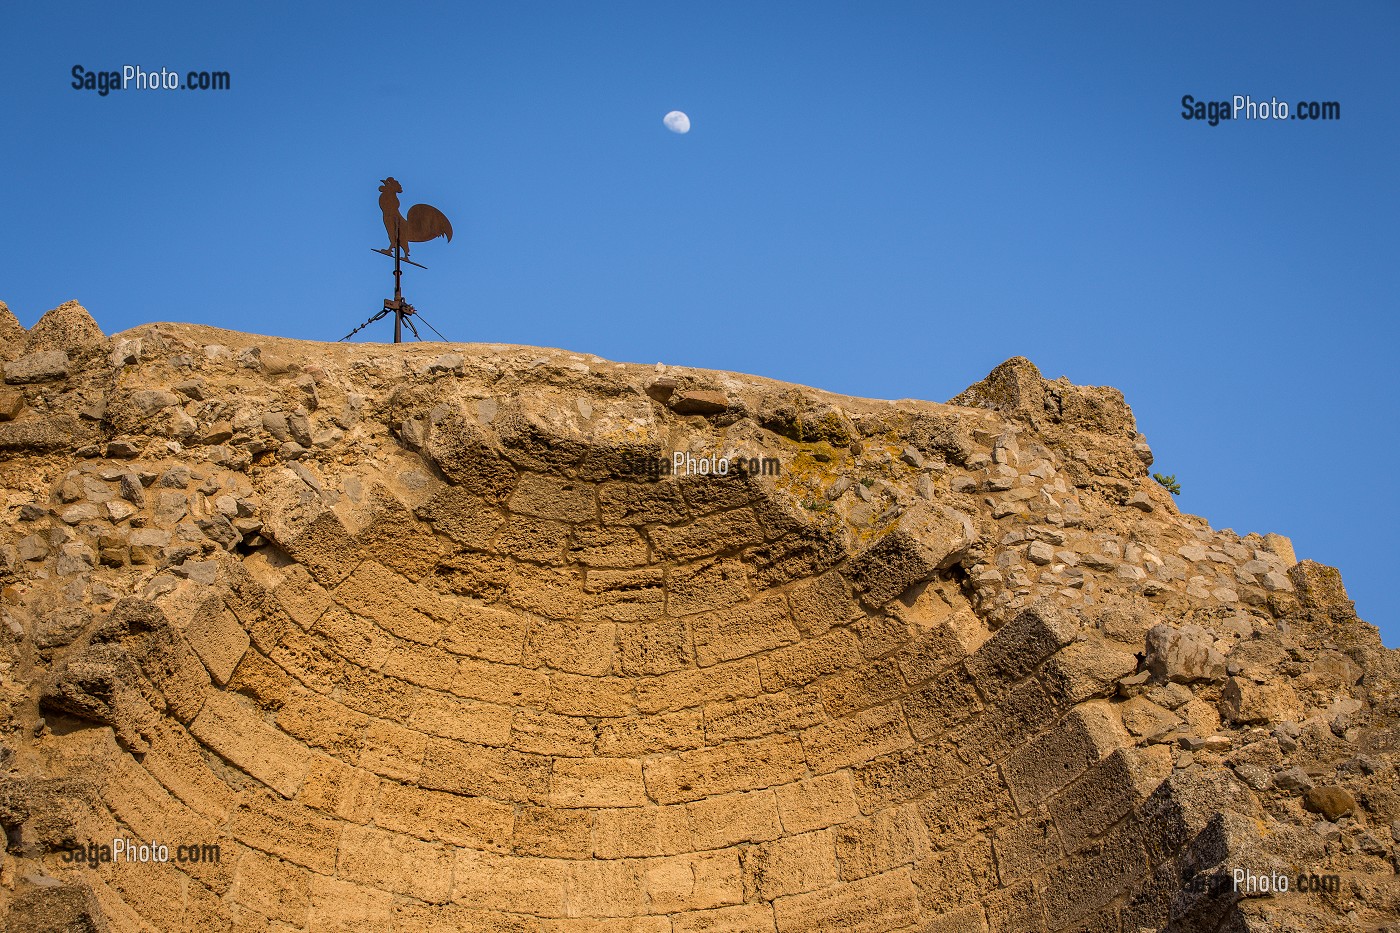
(676, 122)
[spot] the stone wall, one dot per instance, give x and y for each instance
(406, 634)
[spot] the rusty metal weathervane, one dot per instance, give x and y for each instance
(423, 223)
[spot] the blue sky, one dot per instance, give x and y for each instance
(880, 199)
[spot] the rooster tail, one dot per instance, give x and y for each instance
(424, 223)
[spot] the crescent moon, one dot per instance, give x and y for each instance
(676, 122)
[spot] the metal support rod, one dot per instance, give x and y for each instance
(398, 290)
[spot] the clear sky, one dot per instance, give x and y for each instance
(878, 199)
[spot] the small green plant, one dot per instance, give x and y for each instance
(1169, 483)
(867, 482)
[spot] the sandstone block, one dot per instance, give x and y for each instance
(1108, 791)
(936, 649)
(902, 776)
(1184, 655)
(1319, 586)
(556, 498)
(575, 695)
(1281, 547)
(653, 647)
(745, 918)
(466, 454)
(451, 717)
(323, 723)
(887, 840)
(469, 520)
(502, 683)
(857, 738)
(706, 586)
(378, 593)
(239, 734)
(11, 404)
(305, 659)
(607, 547)
(336, 788)
(925, 539)
(791, 865)
(219, 641)
(719, 822)
(288, 830)
(755, 717)
(737, 766)
(133, 795)
(811, 658)
(326, 548)
(941, 705)
(1020, 646)
(596, 782)
(486, 633)
(416, 664)
(635, 736)
(538, 886)
(1079, 886)
(871, 685)
(967, 807)
(611, 889)
(344, 905)
(480, 771)
(395, 862)
(554, 833)
(392, 751)
(682, 689)
(300, 597)
(708, 535)
(698, 402)
(1244, 701)
(45, 903)
(1025, 847)
(816, 803)
(12, 333)
(369, 692)
(955, 877)
(393, 536)
(694, 882)
(634, 832)
(641, 504)
(821, 602)
(43, 366)
(57, 432)
(743, 630)
(878, 903)
(1059, 755)
(274, 888)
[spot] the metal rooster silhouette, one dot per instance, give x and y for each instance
(423, 223)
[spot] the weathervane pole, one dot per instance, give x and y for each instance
(398, 286)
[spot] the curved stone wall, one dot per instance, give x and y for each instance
(415, 642)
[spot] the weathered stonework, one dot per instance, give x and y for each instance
(404, 634)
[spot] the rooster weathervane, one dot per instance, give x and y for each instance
(423, 223)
